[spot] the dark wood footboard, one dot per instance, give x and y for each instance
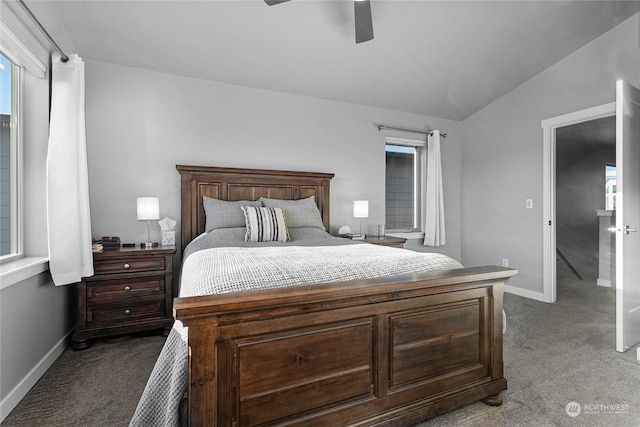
(389, 351)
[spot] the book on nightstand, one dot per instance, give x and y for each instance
(355, 236)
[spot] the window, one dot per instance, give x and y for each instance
(404, 167)
(10, 244)
(610, 188)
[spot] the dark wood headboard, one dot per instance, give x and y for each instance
(244, 184)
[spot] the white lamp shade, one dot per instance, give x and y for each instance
(148, 208)
(361, 209)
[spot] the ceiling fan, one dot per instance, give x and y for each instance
(363, 21)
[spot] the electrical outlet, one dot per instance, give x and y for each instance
(505, 262)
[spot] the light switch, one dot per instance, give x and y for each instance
(529, 203)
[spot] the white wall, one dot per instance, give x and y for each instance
(34, 327)
(502, 151)
(140, 124)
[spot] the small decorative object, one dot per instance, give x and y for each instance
(167, 229)
(381, 231)
(344, 230)
(96, 246)
(361, 210)
(110, 242)
(148, 209)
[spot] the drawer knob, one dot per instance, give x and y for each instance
(126, 266)
(127, 288)
(127, 311)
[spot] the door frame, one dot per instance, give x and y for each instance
(549, 127)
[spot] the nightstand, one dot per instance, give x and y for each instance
(130, 291)
(395, 242)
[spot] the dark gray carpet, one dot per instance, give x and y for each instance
(554, 354)
(99, 386)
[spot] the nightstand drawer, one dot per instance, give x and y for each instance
(110, 290)
(124, 314)
(128, 265)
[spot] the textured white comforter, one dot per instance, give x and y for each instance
(221, 270)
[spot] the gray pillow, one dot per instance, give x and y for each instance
(223, 214)
(298, 213)
(308, 233)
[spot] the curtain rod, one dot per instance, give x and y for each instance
(380, 127)
(65, 58)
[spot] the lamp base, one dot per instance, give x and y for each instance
(149, 245)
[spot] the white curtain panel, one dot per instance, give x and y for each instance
(68, 216)
(434, 232)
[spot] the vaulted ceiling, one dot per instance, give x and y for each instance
(445, 59)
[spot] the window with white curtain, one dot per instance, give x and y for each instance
(10, 220)
(405, 160)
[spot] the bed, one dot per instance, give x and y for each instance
(363, 342)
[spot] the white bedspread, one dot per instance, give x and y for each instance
(233, 269)
(221, 270)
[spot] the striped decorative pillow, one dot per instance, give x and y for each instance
(265, 224)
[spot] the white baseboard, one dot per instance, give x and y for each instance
(14, 397)
(538, 296)
(605, 283)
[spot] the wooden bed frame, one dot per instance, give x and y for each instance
(385, 352)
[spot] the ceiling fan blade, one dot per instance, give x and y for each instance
(364, 23)
(273, 2)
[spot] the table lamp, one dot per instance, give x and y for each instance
(361, 210)
(148, 209)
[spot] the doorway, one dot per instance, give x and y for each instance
(550, 128)
(585, 160)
